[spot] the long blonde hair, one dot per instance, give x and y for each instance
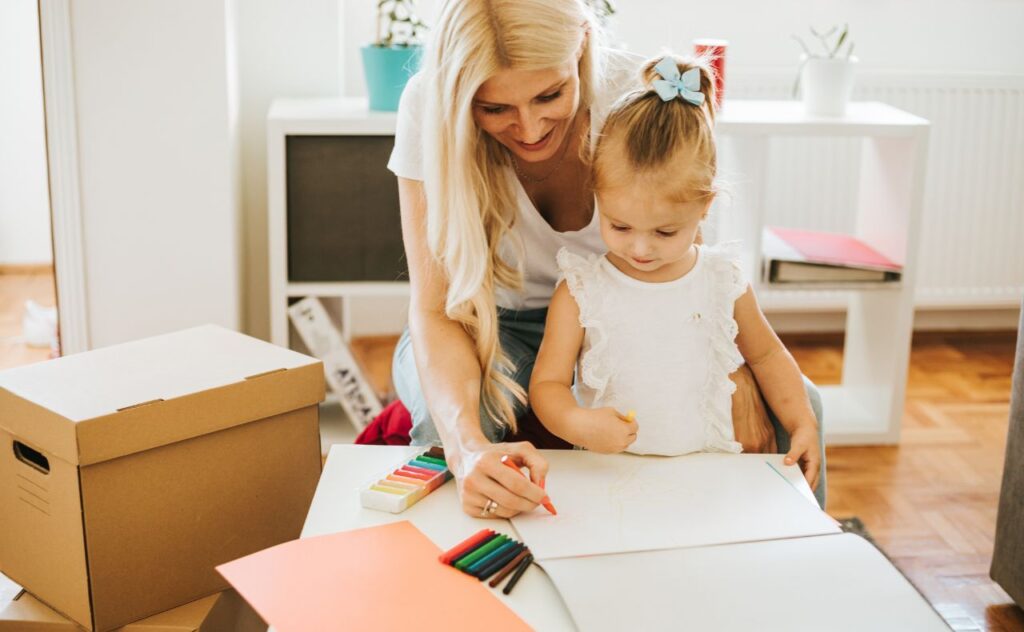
(471, 204)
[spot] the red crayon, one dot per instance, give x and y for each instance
(451, 554)
(546, 501)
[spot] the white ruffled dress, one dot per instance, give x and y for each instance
(664, 350)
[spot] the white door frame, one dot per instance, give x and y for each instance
(62, 158)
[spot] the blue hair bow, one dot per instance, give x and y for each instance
(672, 85)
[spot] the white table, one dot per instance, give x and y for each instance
(336, 508)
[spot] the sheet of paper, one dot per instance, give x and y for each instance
(378, 578)
(836, 582)
(620, 503)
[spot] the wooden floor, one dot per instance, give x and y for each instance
(930, 503)
(15, 289)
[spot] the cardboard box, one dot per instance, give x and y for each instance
(223, 612)
(128, 473)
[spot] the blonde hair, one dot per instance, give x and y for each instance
(675, 137)
(471, 204)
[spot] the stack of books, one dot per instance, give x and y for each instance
(814, 257)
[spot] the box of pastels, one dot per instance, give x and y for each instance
(402, 487)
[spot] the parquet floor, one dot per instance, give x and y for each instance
(930, 503)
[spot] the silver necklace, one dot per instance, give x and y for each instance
(529, 178)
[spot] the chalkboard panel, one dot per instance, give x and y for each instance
(343, 217)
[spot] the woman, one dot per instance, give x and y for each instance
(491, 153)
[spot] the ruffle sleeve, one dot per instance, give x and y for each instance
(582, 277)
(728, 283)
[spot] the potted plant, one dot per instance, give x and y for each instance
(394, 56)
(826, 79)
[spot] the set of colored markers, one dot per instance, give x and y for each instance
(403, 487)
(488, 553)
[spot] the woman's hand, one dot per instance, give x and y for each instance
(804, 448)
(482, 477)
(751, 425)
(605, 430)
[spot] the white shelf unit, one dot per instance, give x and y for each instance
(313, 117)
(868, 407)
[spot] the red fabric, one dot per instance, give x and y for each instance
(390, 427)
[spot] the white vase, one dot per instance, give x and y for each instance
(826, 84)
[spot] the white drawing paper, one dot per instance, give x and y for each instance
(621, 503)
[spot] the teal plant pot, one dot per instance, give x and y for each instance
(387, 70)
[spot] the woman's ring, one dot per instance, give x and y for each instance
(489, 509)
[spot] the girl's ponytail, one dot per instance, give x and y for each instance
(667, 125)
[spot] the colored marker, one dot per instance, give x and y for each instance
(546, 501)
(499, 561)
(486, 560)
(525, 564)
(476, 547)
(480, 552)
(509, 567)
(465, 545)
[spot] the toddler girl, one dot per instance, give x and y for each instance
(657, 324)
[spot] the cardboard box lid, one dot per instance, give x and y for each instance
(102, 404)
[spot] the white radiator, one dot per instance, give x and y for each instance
(972, 245)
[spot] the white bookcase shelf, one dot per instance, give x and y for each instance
(868, 407)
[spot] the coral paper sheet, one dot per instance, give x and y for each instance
(379, 578)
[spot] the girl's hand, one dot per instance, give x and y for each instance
(481, 477)
(605, 430)
(804, 448)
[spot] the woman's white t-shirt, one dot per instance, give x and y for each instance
(540, 242)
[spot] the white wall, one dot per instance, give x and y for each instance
(24, 199)
(906, 35)
(157, 165)
(155, 126)
(285, 48)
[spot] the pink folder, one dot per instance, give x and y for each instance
(379, 578)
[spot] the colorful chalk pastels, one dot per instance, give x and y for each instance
(407, 484)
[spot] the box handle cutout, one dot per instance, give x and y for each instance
(31, 458)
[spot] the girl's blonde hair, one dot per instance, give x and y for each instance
(471, 204)
(675, 137)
